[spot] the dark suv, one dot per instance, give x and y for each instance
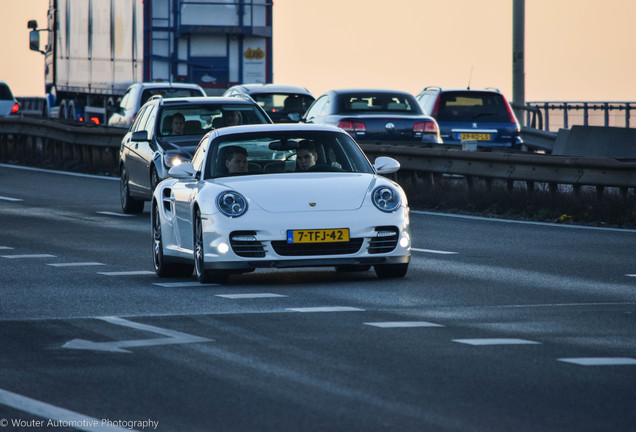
(472, 118)
(166, 132)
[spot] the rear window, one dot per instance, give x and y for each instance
(283, 102)
(377, 103)
(198, 120)
(169, 92)
(472, 106)
(5, 93)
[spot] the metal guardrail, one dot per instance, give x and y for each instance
(92, 148)
(31, 106)
(552, 116)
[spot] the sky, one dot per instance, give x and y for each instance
(575, 50)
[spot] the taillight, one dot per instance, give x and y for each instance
(95, 120)
(15, 109)
(352, 126)
(425, 126)
(435, 109)
(511, 113)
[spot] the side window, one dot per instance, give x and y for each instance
(149, 124)
(317, 108)
(125, 101)
(140, 120)
(199, 155)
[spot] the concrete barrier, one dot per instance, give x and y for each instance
(596, 141)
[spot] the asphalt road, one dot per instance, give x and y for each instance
(498, 326)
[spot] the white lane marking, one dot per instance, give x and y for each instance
(173, 337)
(402, 324)
(75, 264)
(107, 213)
(46, 411)
(28, 256)
(434, 251)
(182, 284)
(510, 221)
(600, 361)
(4, 198)
(127, 273)
(495, 341)
(325, 309)
(249, 296)
(5, 248)
(59, 172)
(565, 304)
(631, 275)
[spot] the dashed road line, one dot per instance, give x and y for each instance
(433, 251)
(107, 213)
(631, 275)
(75, 264)
(5, 248)
(4, 198)
(402, 324)
(29, 256)
(496, 341)
(325, 309)
(127, 273)
(47, 411)
(250, 295)
(600, 361)
(182, 284)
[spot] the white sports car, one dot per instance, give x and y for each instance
(279, 196)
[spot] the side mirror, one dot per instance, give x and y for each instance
(34, 40)
(138, 136)
(386, 165)
(183, 171)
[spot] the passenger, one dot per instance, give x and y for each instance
(306, 156)
(236, 159)
(178, 122)
(232, 118)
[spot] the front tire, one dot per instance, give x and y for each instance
(129, 204)
(162, 268)
(203, 275)
(385, 271)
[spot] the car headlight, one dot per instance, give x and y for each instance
(386, 199)
(231, 204)
(174, 159)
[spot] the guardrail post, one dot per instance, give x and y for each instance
(546, 109)
(607, 116)
(565, 115)
(627, 114)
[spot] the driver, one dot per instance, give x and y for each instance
(306, 156)
(236, 162)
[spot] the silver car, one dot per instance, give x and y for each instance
(139, 93)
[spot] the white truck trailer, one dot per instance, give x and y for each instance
(97, 48)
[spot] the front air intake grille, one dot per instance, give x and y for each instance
(245, 244)
(310, 249)
(385, 241)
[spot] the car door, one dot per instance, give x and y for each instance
(138, 153)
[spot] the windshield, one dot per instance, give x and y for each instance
(377, 103)
(279, 105)
(284, 152)
(197, 120)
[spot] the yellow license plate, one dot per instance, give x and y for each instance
(475, 137)
(318, 235)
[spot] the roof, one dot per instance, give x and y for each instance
(277, 127)
(273, 88)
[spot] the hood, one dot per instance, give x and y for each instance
(295, 192)
(180, 145)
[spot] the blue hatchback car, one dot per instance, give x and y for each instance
(472, 119)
